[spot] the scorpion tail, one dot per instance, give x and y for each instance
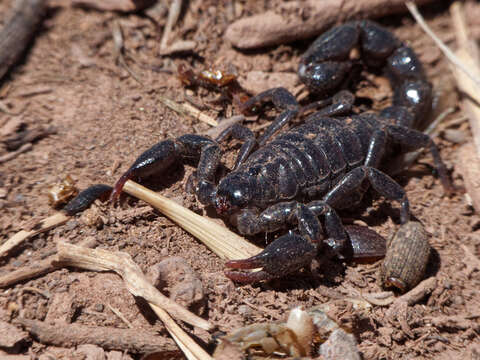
(117, 189)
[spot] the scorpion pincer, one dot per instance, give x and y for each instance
(303, 175)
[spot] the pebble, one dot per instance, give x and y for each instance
(99, 307)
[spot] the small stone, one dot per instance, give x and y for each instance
(10, 335)
(340, 345)
(91, 352)
(17, 263)
(99, 307)
(3, 193)
(70, 225)
(245, 311)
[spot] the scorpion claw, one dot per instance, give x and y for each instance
(251, 263)
(285, 255)
(248, 277)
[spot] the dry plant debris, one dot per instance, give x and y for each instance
(103, 118)
(113, 5)
(135, 281)
(132, 340)
(284, 25)
(18, 30)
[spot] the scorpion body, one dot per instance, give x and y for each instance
(302, 175)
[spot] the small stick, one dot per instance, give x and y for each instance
(135, 280)
(13, 154)
(18, 30)
(173, 15)
(70, 335)
(468, 53)
(42, 226)
(38, 268)
(417, 293)
(120, 315)
(188, 110)
(16, 141)
(180, 46)
(189, 347)
(117, 35)
(446, 51)
(138, 285)
(223, 242)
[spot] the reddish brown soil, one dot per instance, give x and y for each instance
(104, 119)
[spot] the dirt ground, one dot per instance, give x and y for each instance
(104, 119)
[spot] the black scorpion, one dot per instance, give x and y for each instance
(307, 172)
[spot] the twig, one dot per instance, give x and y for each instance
(6, 110)
(17, 140)
(189, 347)
(188, 110)
(38, 267)
(180, 46)
(119, 50)
(173, 15)
(135, 281)
(138, 285)
(71, 335)
(42, 226)
(13, 154)
(18, 30)
(468, 53)
(223, 242)
(417, 293)
(275, 27)
(120, 315)
(446, 51)
(44, 293)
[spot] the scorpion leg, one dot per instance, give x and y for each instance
(286, 254)
(240, 132)
(414, 139)
(283, 100)
(165, 153)
(381, 182)
(339, 104)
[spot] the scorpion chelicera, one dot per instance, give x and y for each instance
(304, 174)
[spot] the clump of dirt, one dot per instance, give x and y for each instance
(104, 118)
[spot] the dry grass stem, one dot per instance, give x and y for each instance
(223, 242)
(468, 53)
(173, 15)
(38, 267)
(13, 154)
(135, 280)
(189, 347)
(188, 110)
(22, 235)
(446, 51)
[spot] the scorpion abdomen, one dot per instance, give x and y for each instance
(310, 159)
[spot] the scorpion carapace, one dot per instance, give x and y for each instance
(302, 175)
